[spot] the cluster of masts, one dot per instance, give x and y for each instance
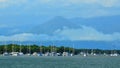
(52, 52)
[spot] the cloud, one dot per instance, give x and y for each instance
(88, 34)
(30, 37)
(104, 3)
(3, 0)
(8, 3)
(81, 34)
(68, 8)
(109, 3)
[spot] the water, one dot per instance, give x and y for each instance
(60, 62)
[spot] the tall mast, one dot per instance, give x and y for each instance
(73, 49)
(41, 47)
(29, 49)
(13, 47)
(20, 47)
(5, 46)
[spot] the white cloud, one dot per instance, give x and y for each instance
(8, 3)
(105, 3)
(84, 34)
(68, 8)
(88, 34)
(109, 3)
(30, 37)
(3, 0)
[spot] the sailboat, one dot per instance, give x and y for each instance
(85, 53)
(72, 54)
(93, 52)
(113, 52)
(20, 52)
(14, 53)
(53, 52)
(40, 53)
(65, 53)
(5, 48)
(29, 50)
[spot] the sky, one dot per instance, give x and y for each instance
(16, 16)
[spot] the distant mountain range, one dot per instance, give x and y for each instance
(108, 24)
(52, 25)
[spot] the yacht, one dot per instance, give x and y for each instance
(29, 51)
(14, 53)
(20, 53)
(40, 53)
(65, 54)
(35, 54)
(84, 54)
(115, 54)
(5, 53)
(47, 54)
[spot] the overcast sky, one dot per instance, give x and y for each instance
(13, 13)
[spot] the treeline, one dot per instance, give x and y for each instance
(43, 49)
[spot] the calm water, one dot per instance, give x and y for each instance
(60, 62)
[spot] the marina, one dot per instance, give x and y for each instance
(35, 50)
(59, 33)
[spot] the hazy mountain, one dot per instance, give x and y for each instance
(107, 24)
(15, 24)
(54, 24)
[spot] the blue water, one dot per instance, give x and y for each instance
(60, 62)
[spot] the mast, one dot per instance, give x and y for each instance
(41, 48)
(73, 49)
(5, 46)
(20, 48)
(13, 47)
(29, 49)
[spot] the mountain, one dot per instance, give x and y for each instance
(15, 24)
(57, 23)
(107, 24)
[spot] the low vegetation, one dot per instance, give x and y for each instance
(41, 48)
